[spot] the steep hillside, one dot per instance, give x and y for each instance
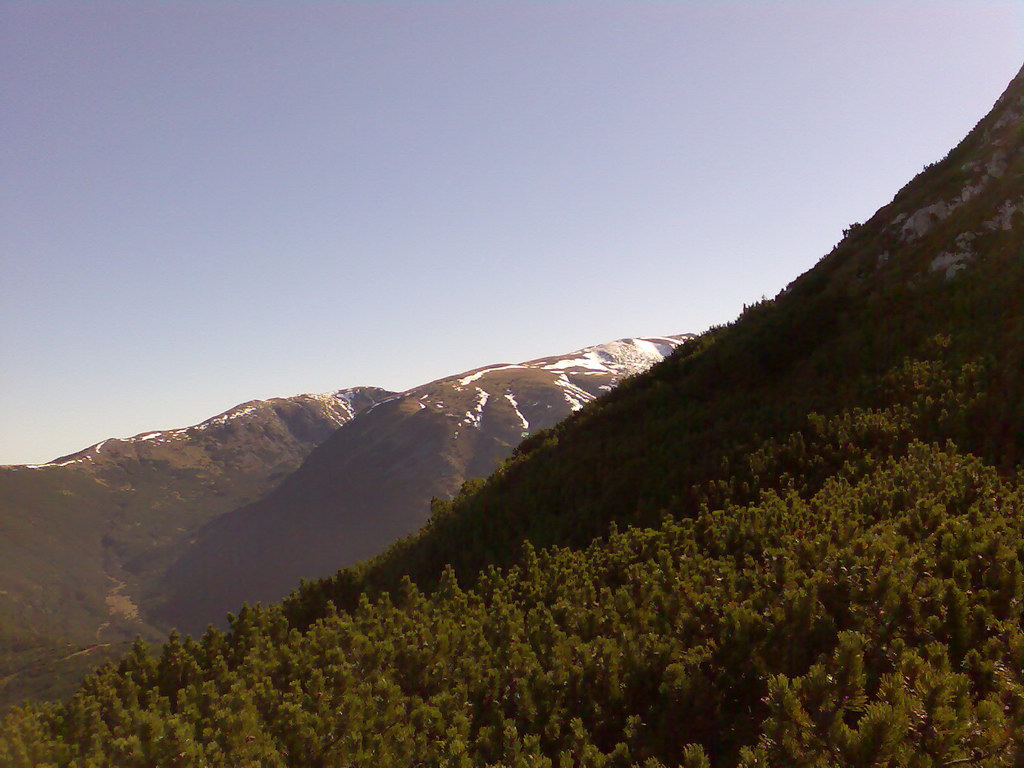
(796, 542)
(941, 258)
(87, 539)
(372, 481)
(83, 537)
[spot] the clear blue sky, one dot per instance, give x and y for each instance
(209, 202)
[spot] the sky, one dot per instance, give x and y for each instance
(205, 203)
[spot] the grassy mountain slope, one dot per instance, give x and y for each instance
(372, 481)
(85, 538)
(818, 559)
(941, 258)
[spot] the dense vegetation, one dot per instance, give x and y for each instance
(870, 616)
(678, 438)
(798, 542)
(85, 541)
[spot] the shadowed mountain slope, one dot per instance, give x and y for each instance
(84, 537)
(372, 481)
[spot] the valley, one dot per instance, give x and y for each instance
(176, 528)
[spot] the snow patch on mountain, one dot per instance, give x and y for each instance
(591, 360)
(623, 357)
(50, 464)
(335, 408)
(472, 418)
(234, 413)
(574, 396)
(467, 380)
(381, 402)
(515, 407)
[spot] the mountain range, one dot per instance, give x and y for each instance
(176, 527)
(372, 481)
(80, 535)
(797, 541)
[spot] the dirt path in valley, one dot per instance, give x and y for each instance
(118, 605)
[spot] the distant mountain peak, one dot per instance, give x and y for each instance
(327, 411)
(373, 480)
(622, 357)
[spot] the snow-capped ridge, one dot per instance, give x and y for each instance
(479, 372)
(337, 407)
(615, 359)
(622, 357)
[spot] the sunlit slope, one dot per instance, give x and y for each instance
(85, 538)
